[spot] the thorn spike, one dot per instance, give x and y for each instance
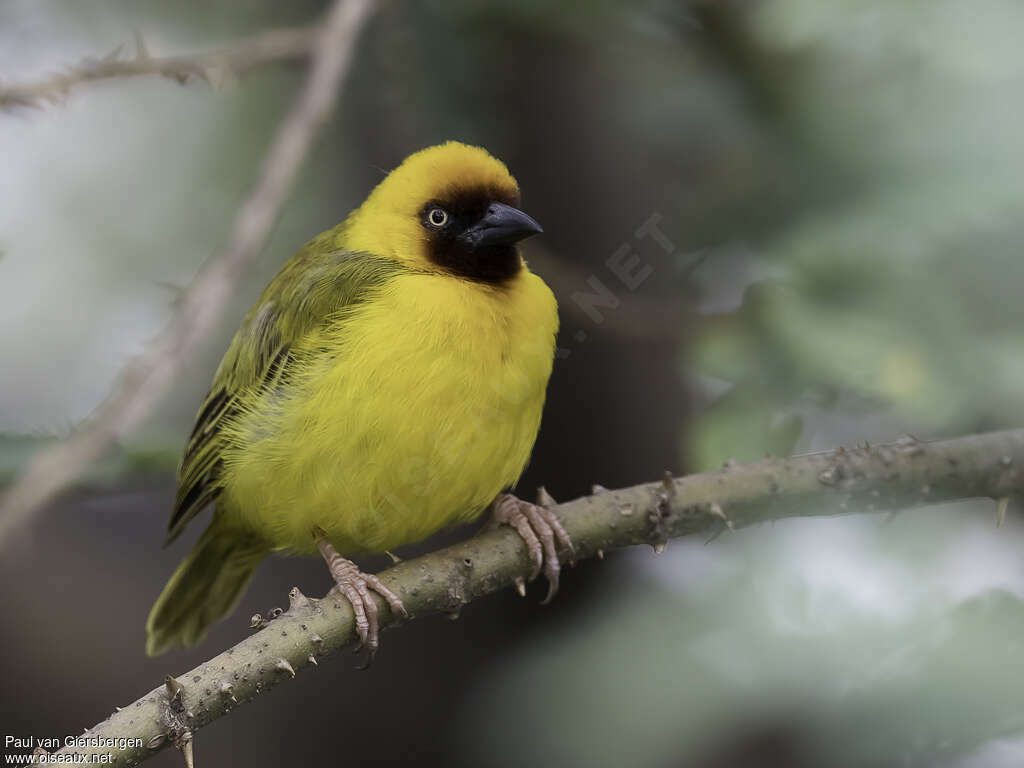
(284, 666)
(544, 499)
(186, 750)
(716, 510)
(141, 51)
(1001, 506)
(297, 600)
(114, 54)
(521, 586)
(174, 688)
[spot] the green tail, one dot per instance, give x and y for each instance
(205, 587)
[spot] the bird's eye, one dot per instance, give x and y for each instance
(437, 217)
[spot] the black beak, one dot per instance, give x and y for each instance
(501, 225)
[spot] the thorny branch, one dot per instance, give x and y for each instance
(145, 380)
(888, 477)
(214, 67)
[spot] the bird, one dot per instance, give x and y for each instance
(388, 383)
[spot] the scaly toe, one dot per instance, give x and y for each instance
(356, 587)
(542, 532)
(393, 600)
(507, 511)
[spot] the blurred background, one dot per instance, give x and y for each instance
(825, 201)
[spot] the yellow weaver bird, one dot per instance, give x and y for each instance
(389, 382)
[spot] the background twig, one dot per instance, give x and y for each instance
(888, 477)
(232, 60)
(145, 380)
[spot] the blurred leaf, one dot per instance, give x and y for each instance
(904, 290)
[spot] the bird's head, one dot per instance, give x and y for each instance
(451, 208)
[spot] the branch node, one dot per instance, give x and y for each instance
(258, 622)
(228, 690)
(175, 720)
(831, 476)
(299, 602)
(661, 515)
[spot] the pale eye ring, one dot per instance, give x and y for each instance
(437, 217)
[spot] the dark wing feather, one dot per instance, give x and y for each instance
(309, 290)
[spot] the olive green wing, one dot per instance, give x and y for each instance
(308, 291)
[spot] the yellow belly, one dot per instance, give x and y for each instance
(422, 407)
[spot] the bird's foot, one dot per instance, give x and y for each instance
(356, 586)
(541, 530)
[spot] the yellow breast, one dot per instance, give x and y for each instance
(417, 409)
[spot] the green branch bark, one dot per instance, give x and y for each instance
(888, 477)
